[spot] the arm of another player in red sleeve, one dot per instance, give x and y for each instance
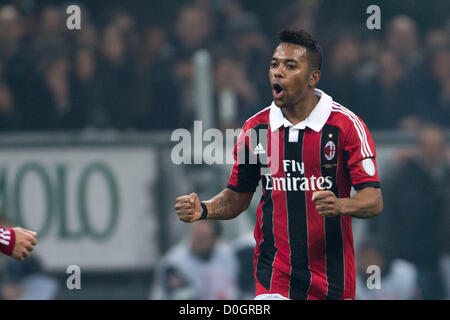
(17, 242)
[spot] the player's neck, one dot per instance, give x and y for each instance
(301, 110)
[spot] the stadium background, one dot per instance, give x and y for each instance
(86, 117)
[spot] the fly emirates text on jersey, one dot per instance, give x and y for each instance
(294, 179)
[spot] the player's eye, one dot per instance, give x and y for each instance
(273, 64)
(290, 66)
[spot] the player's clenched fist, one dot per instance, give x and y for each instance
(327, 204)
(24, 244)
(188, 208)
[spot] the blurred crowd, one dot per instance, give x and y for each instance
(118, 73)
(205, 267)
(410, 239)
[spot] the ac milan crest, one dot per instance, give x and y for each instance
(330, 150)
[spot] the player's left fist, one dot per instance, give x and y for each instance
(327, 204)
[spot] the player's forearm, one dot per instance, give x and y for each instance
(365, 204)
(228, 204)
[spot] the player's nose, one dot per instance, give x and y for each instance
(278, 73)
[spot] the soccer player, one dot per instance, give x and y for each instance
(17, 242)
(309, 151)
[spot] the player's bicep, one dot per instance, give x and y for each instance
(371, 197)
(240, 200)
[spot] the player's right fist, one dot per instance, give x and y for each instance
(188, 208)
(25, 242)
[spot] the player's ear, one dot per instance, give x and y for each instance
(314, 77)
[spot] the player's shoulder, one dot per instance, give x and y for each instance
(345, 118)
(260, 119)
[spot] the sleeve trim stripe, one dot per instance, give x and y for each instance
(359, 124)
(368, 184)
(365, 147)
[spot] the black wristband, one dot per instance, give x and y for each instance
(204, 211)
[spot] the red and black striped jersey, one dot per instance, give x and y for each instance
(300, 254)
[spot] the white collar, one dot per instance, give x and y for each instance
(315, 120)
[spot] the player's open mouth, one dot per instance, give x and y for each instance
(277, 90)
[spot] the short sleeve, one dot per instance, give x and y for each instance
(246, 171)
(360, 156)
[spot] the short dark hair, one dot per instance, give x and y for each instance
(304, 39)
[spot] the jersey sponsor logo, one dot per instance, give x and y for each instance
(294, 179)
(330, 150)
(289, 183)
(368, 166)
